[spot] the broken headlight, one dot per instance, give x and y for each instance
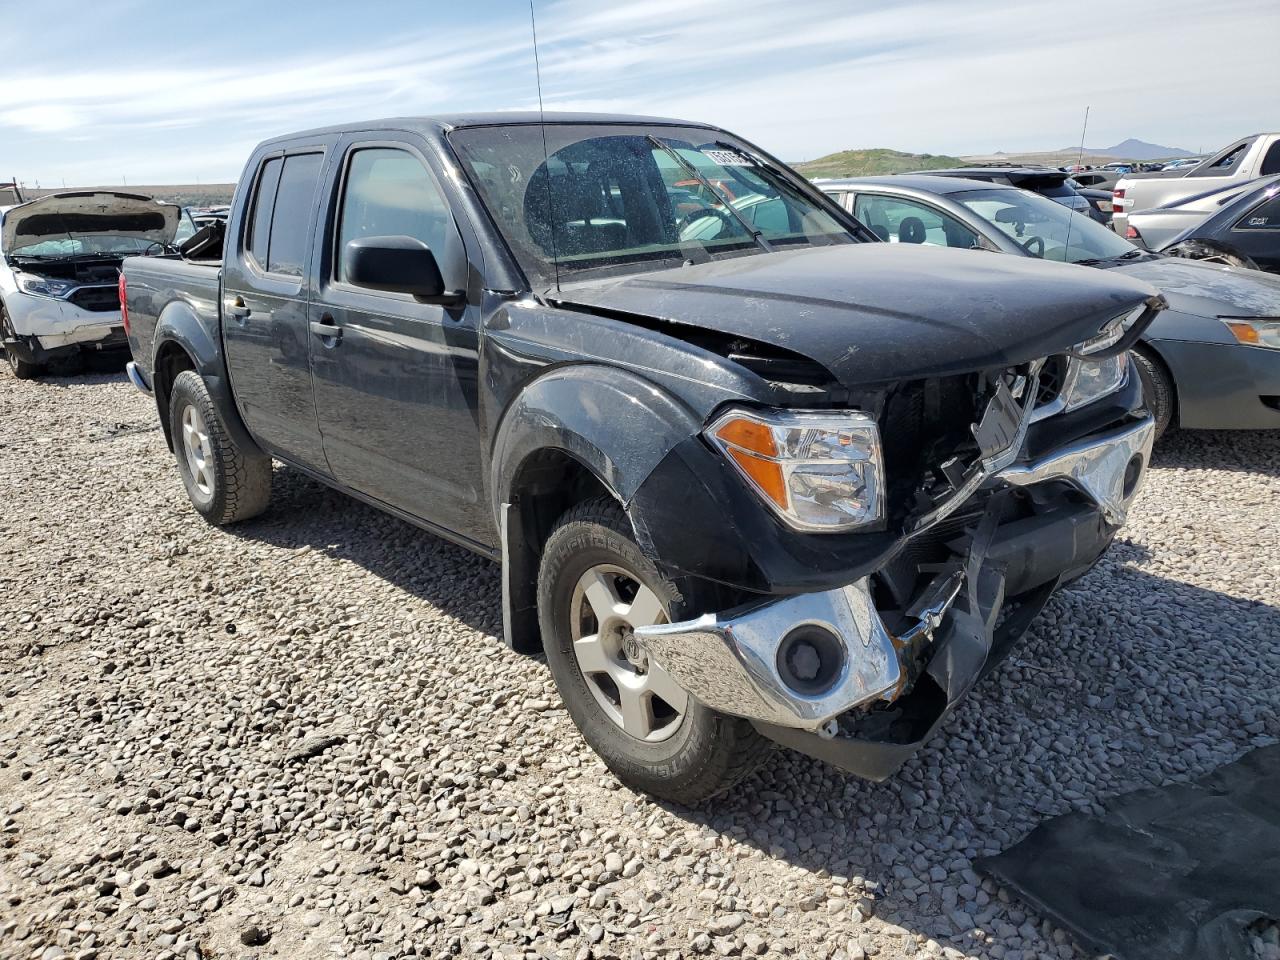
(1086, 380)
(44, 286)
(820, 471)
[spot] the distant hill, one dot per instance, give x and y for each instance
(869, 163)
(1132, 149)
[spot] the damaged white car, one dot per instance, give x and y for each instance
(59, 272)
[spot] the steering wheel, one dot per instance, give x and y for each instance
(1038, 243)
(695, 215)
(150, 250)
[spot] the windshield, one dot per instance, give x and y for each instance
(624, 198)
(91, 244)
(1044, 228)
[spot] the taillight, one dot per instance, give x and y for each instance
(124, 304)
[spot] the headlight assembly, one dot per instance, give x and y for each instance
(1255, 331)
(1087, 380)
(820, 471)
(44, 286)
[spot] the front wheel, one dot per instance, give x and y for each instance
(595, 587)
(22, 369)
(1157, 390)
(224, 482)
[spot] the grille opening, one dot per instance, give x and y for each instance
(1053, 376)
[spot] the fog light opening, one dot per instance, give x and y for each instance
(810, 659)
(1132, 474)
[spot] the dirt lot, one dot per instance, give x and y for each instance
(302, 737)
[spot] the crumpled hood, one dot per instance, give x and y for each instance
(87, 212)
(1208, 289)
(875, 312)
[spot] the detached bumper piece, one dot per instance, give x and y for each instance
(832, 675)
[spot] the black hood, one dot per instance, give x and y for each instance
(875, 312)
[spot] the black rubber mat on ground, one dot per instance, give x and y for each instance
(1175, 872)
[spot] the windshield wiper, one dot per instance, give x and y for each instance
(690, 169)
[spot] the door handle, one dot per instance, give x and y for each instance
(239, 312)
(326, 329)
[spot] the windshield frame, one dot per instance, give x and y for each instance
(544, 273)
(1080, 223)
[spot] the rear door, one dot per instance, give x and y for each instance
(264, 302)
(395, 379)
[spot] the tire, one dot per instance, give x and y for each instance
(225, 483)
(22, 369)
(1157, 390)
(704, 752)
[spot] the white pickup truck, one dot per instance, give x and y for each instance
(1245, 160)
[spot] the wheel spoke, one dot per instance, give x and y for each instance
(592, 656)
(602, 595)
(637, 716)
(645, 609)
(661, 684)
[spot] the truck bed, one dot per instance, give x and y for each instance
(157, 284)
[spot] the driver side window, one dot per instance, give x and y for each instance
(896, 220)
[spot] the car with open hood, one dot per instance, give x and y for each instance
(60, 259)
(752, 476)
(1210, 361)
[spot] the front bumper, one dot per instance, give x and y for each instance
(86, 338)
(947, 639)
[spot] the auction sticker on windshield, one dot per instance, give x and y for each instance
(728, 158)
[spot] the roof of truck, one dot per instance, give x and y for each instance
(445, 122)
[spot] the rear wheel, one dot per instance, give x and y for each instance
(224, 482)
(595, 587)
(22, 369)
(1157, 390)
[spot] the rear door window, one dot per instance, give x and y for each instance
(291, 218)
(259, 232)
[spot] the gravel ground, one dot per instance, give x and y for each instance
(303, 737)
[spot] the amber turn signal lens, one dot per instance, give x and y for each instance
(749, 435)
(1244, 332)
(767, 475)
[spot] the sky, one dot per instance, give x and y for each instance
(103, 92)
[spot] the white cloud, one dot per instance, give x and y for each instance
(800, 78)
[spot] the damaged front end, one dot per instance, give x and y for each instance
(861, 673)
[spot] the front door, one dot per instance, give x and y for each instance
(395, 379)
(264, 304)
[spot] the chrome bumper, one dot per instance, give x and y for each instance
(732, 663)
(136, 377)
(1099, 466)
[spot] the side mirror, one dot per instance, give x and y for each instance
(397, 265)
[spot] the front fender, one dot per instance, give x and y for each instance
(615, 423)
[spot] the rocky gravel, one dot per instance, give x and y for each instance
(302, 736)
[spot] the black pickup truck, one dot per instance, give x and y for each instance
(752, 475)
